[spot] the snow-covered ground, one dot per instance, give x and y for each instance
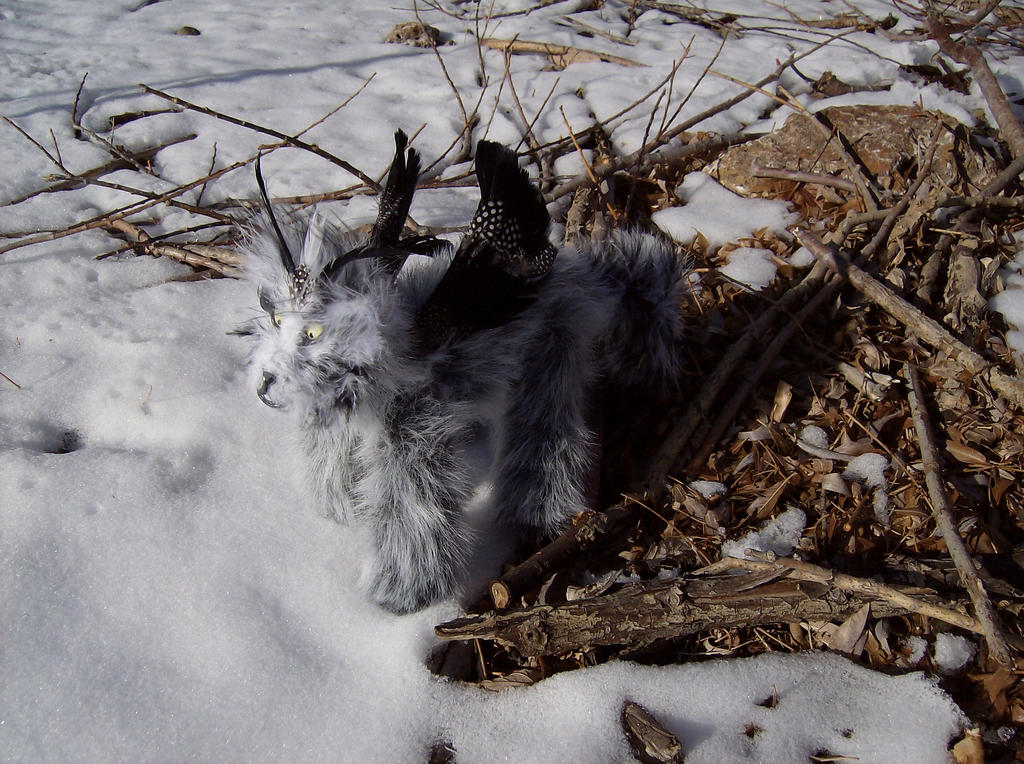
(165, 591)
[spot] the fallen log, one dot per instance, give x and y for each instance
(641, 613)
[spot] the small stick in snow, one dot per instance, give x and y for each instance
(288, 140)
(224, 260)
(99, 221)
(115, 149)
(73, 180)
(1009, 126)
(560, 55)
(943, 514)
(76, 180)
(660, 151)
(545, 166)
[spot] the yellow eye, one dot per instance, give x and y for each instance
(276, 317)
(312, 332)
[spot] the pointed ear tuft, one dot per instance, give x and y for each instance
(313, 242)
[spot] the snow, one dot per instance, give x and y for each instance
(916, 649)
(870, 469)
(751, 266)
(709, 489)
(770, 708)
(719, 215)
(166, 593)
(815, 436)
(1010, 302)
(801, 258)
(952, 652)
(780, 535)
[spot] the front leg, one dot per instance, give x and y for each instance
(332, 468)
(413, 494)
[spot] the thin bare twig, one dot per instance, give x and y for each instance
(809, 572)
(943, 514)
(288, 140)
(729, 411)
(560, 55)
(758, 171)
(77, 179)
(1010, 127)
(223, 260)
(122, 212)
(882, 235)
(699, 410)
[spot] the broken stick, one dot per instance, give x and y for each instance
(639, 614)
(943, 514)
(589, 528)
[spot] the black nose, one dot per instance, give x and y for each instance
(261, 391)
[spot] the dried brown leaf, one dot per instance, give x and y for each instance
(783, 397)
(519, 678)
(966, 455)
(850, 633)
(763, 506)
(969, 749)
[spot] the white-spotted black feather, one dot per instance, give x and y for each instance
(397, 368)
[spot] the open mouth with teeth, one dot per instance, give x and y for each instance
(262, 391)
(345, 391)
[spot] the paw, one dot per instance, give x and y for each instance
(401, 594)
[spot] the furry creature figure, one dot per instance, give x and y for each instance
(398, 368)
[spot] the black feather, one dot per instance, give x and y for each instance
(385, 243)
(501, 261)
(395, 200)
(362, 252)
(424, 245)
(286, 254)
(512, 217)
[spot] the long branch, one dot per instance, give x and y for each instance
(1010, 127)
(288, 140)
(943, 514)
(642, 613)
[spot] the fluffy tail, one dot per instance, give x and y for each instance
(641, 348)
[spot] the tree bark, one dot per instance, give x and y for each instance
(639, 614)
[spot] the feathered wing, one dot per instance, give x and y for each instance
(385, 244)
(386, 237)
(500, 262)
(396, 199)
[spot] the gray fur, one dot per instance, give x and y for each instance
(387, 424)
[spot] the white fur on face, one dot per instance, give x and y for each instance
(317, 355)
